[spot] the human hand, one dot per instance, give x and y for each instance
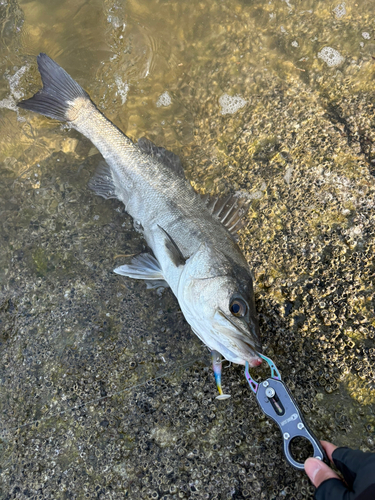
(357, 468)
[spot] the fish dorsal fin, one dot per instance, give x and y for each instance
(144, 267)
(102, 182)
(169, 159)
(229, 211)
(175, 253)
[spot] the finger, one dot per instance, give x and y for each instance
(329, 448)
(318, 471)
(333, 489)
(349, 463)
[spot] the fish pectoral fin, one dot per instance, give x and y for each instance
(102, 183)
(174, 252)
(229, 211)
(142, 267)
(169, 159)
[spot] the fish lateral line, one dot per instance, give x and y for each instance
(149, 181)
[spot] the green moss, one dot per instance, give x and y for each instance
(40, 261)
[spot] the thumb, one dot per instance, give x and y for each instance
(318, 471)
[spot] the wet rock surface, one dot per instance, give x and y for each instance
(104, 390)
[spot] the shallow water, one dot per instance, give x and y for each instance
(104, 391)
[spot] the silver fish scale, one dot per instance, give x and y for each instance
(196, 254)
(153, 193)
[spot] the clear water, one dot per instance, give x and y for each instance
(271, 100)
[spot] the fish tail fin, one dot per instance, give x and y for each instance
(58, 97)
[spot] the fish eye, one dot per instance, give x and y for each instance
(238, 308)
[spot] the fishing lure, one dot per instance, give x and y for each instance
(217, 366)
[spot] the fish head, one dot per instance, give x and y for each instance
(216, 296)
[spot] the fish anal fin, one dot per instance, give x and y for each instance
(175, 253)
(229, 211)
(102, 183)
(166, 157)
(144, 267)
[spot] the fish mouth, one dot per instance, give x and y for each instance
(255, 362)
(253, 344)
(244, 345)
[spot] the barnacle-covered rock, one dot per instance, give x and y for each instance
(104, 390)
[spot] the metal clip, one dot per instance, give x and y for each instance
(274, 373)
(276, 402)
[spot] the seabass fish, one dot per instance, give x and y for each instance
(191, 237)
